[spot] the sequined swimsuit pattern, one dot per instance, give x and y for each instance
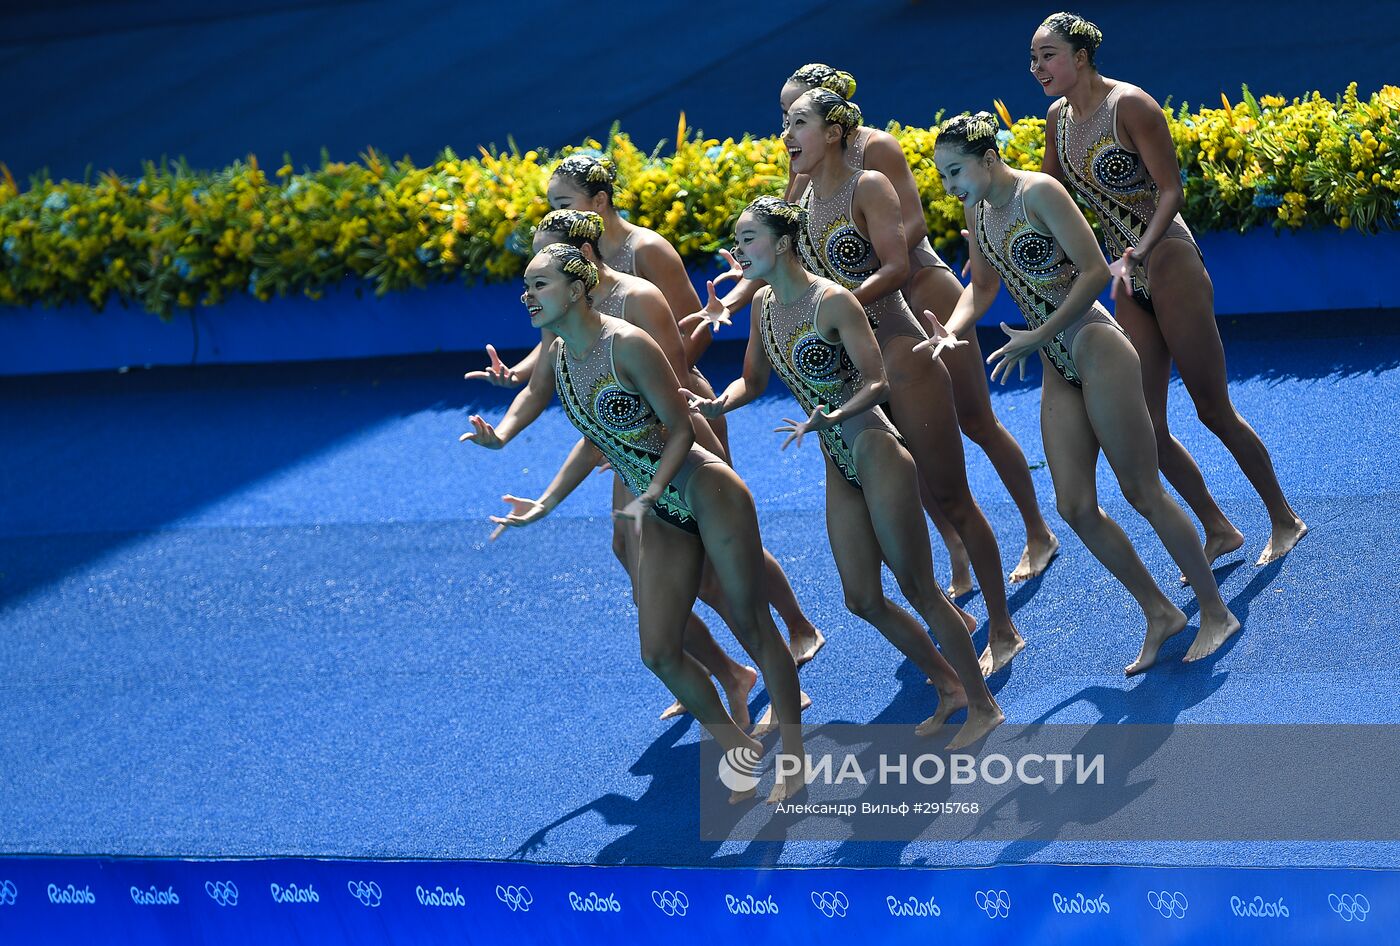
(620, 424)
(922, 254)
(1036, 272)
(1112, 180)
(817, 371)
(834, 248)
(625, 259)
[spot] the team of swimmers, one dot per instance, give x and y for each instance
(875, 337)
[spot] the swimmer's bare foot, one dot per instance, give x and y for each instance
(969, 622)
(1282, 540)
(1212, 634)
(1218, 544)
(961, 585)
(1036, 557)
(806, 644)
(999, 651)
(768, 722)
(736, 694)
(789, 787)
(961, 582)
(1160, 627)
(979, 723)
(949, 702)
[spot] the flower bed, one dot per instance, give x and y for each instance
(177, 238)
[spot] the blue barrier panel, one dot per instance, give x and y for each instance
(86, 900)
(1253, 273)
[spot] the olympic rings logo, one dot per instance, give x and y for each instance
(517, 898)
(831, 904)
(8, 892)
(367, 893)
(995, 903)
(1172, 904)
(222, 892)
(1350, 907)
(671, 902)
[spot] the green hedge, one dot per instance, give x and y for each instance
(177, 238)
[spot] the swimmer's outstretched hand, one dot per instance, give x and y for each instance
(482, 434)
(942, 339)
(634, 511)
(735, 272)
(1122, 271)
(498, 374)
(522, 513)
(712, 316)
(710, 407)
(1023, 344)
(796, 430)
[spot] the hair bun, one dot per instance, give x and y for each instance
(819, 75)
(584, 224)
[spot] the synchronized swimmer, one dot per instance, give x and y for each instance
(875, 336)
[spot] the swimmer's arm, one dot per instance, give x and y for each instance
(1049, 204)
(525, 368)
(1050, 162)
(757, 372)
(659, 264)
(981, 291)
(1146, 129)
(581, 461)
(842, 315)
(742, 294)
(649, 312)
(528, 405)
(883, 154)
(877, 205)
(642, 368)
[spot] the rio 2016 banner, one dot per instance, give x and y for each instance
(86, 900)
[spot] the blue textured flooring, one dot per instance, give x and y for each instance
(252, 611)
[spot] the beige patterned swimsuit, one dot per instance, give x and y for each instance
(836, 249)
(817, 371)
(1037, 273)
(1114, 182)
(622, 425)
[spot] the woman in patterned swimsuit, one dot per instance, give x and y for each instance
(1108, 142)
(1027, 232)
(855, 237)
(817, 337)
(582, 182)
(617, 389)
(639, 303)
(931, 291)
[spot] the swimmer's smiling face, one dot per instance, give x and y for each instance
(807, 136)
(755, 246)
(1054, 63)
(549, 291)
(966, 177)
